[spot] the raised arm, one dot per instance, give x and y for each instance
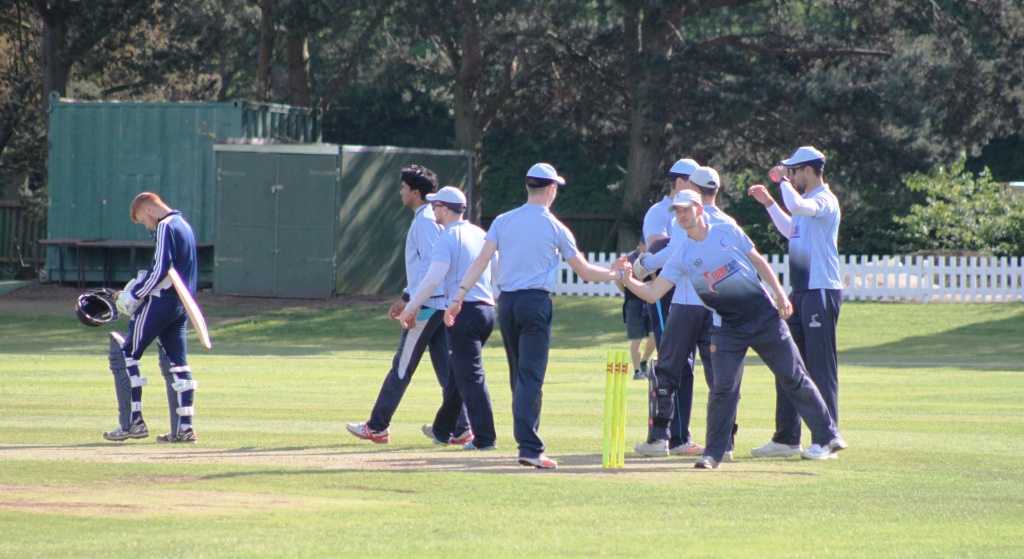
(783, 222)
(796, 204)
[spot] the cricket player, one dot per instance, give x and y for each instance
(657, 230)
(812, 227)
(723, 267)
(417, 183)
(454, 251)
(530, 241)
(156, 314)
(687, 331)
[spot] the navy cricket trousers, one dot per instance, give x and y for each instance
(769, 336)
(411, 346)
(467, 383)
(686, 331)
(813, 324)
(525, 321)
(162, 318)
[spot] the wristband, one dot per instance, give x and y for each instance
(406, 297)
(622, 275)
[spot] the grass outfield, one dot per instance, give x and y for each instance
(931, 406)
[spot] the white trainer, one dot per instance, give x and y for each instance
(706, 463)
(654, 448)
(773, 449)
(428, 431)
(818, 452)
(135, 431)
(837, 444)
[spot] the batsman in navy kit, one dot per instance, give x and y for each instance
(723, 266)
(157, 313)
(812, 227)
(454, 251)
(417, 183)
(529, 241)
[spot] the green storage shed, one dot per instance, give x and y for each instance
(101, 154)
(311, 220)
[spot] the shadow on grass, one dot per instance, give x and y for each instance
(996, 343)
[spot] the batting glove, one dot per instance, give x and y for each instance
(126, 303)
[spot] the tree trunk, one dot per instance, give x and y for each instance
(646, 152)
(647, 128)
(266, 50)
(299, 92)
(468, 125)
(56, 66)
(11, 113)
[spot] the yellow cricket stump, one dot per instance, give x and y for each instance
(616, 380)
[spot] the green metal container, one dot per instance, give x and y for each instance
(102, 154)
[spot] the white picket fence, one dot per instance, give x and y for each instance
(922, 279)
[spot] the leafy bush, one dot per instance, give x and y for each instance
(962, 212)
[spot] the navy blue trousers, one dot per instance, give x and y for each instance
(160, 318)
(769, 336)
(687, 331)
(813, 324)
(659, 313)
(411, 346)
(525, 321)
(467, 383)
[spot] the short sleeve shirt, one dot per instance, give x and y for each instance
(531, 241)
(722, 275)
(458, 246)
(658, 220)
(419, 242)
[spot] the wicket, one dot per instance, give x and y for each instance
(616, 380)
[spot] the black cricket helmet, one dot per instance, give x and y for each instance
(97, 307)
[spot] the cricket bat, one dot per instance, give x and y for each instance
(194, 314)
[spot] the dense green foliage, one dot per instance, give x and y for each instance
(964, 211)
(610, 91)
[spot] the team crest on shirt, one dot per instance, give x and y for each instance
(723, 244)
(814, 321)
(715, 277)
(697, 263)
(794, 231)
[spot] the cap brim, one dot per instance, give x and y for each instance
(792, 161)
(673, 207)
(558, 180)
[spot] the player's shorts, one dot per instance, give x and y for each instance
(638, 322)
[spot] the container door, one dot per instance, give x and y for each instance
(307, 210)
(246, 223)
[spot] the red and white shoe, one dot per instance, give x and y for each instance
(541, 462)
(360, 430)
(465, 438)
